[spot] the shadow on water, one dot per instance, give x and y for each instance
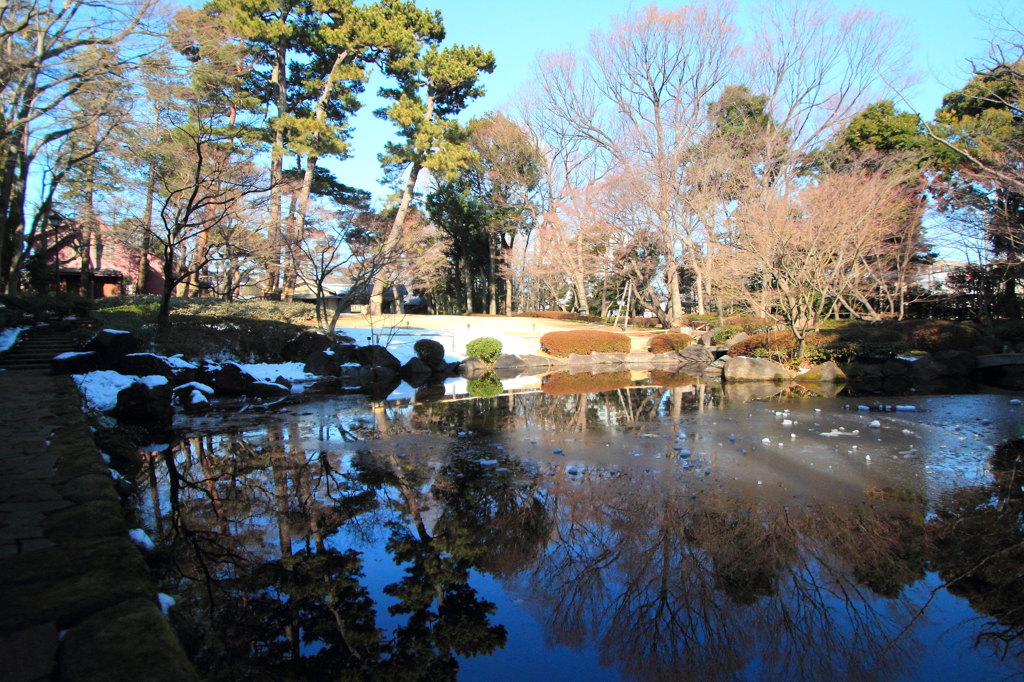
(394, 544)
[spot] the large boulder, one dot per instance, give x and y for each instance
(826, 372)
(268, 389)
(473, 368)
(145, 401)
(110, 344)
(144, 363)
(696, 355)
(302, 346)
(76, 363)
(736, 338)
(416, 372)
(193, 396)
(755, 369)
(376, 356)
(228, 379)
(323, 363)
(430, 353)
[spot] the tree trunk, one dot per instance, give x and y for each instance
(394, 236)
(278, 77)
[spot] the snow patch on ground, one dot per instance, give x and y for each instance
(400, 341)
(292, 371)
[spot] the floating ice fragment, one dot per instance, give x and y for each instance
(906, 408)
(874, 423)
(787, 422)
(766, 441)
(863, 408)
(1015, 401)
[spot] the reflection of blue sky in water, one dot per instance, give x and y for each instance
(784, 522)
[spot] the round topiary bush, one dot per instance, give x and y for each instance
(486, 348)
(671, 342)
(487, 386)
(430, 352)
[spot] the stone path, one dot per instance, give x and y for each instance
(77, 601)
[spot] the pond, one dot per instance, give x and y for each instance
(675, 531)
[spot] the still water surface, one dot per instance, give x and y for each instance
(673, 532)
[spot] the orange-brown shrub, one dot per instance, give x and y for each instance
(584, 342)
(867, 338)
(936, 335)
(669, 343)
(564, 383)
(748, 322)
(560, 315)
(646, 322)
(661, 377)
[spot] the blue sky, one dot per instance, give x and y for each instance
(946, 32)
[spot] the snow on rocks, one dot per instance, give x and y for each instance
(142, 539)
(8, 337)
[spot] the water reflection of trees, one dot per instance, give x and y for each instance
(667, 584)
(978, 536)
(272, 588)
(612, 410)
(672, 587)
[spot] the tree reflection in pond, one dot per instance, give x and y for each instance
(272, 543)
(295, 606)
(674, 587)
(978, 536)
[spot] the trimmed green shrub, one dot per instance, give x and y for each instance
(584, 342)
(671, 342)
(694, 318)
(486, 348)
(487, 386)
(723, 334)
(564, 383)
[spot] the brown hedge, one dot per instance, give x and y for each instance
(670, 342)
(561, 315)
(926, 335)
(584, 342)
(564, 383)
(748, 322)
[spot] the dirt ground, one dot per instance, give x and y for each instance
(527, 329)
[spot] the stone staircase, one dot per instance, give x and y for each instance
(35, 348)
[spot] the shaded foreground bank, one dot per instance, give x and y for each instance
(78, 599)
